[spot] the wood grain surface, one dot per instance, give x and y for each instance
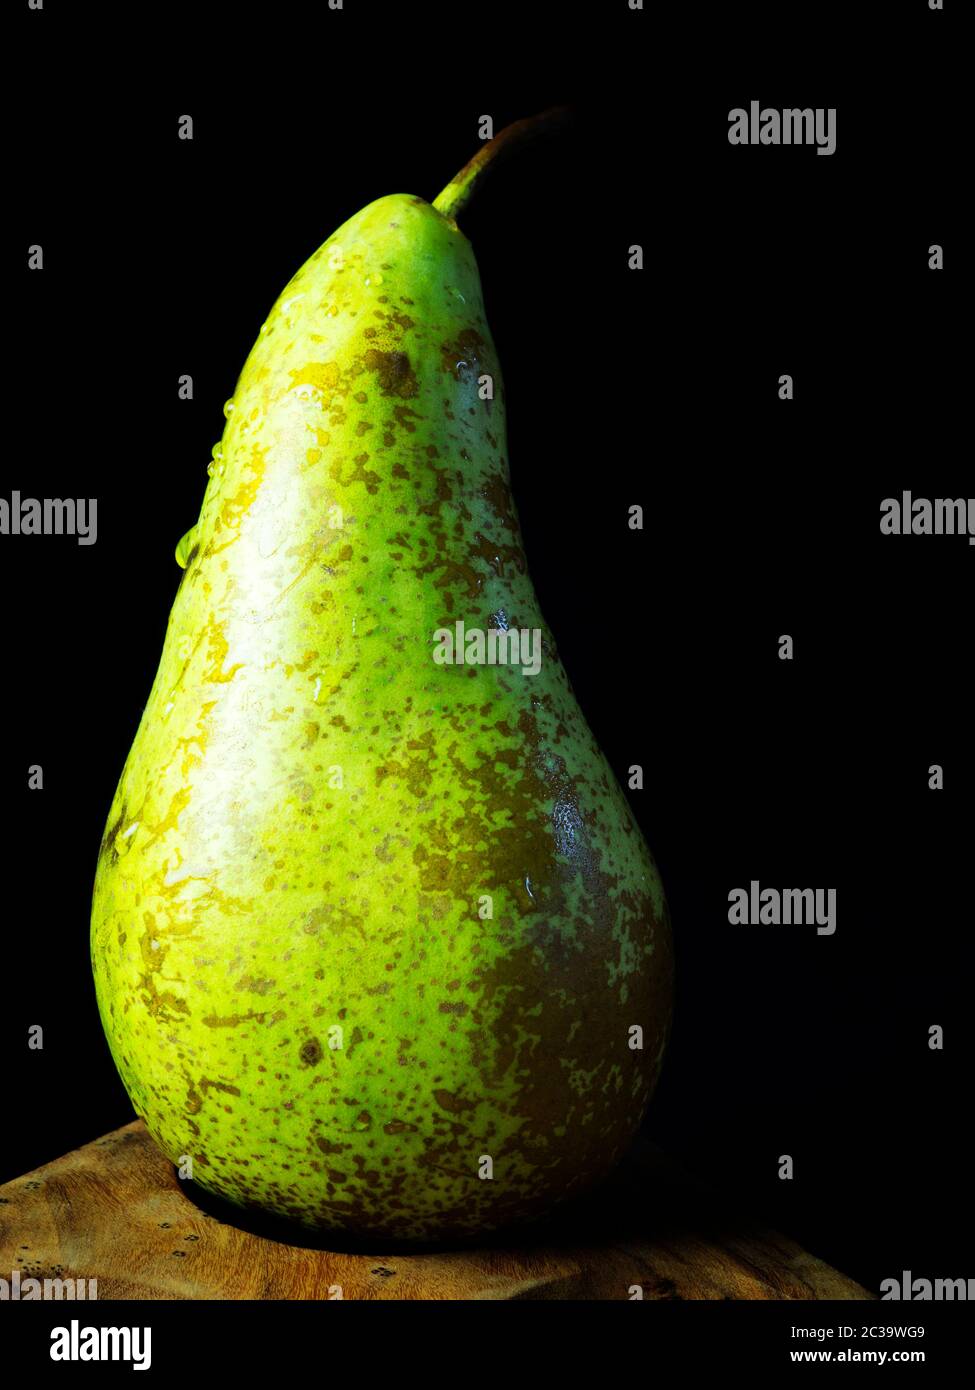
(116, 1211)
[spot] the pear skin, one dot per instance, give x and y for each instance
(375, 934)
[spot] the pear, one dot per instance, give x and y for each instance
(376, 939)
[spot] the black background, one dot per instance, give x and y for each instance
(656, 387)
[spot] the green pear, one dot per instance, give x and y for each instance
(376, 939)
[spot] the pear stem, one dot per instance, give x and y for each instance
(462, 186)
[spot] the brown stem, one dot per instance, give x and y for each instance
(460, 189)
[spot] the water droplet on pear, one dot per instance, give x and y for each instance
(185, 546)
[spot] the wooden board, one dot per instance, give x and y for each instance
(115, 1210)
